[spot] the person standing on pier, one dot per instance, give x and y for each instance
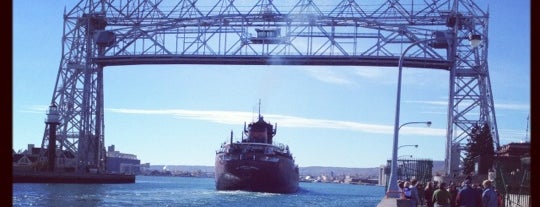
(414, 193)
(489, 196)
(453, 194)
(467, 196)
(441, 197)
(407, 190)
(421, 196)
(428, 194)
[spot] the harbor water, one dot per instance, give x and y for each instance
(189, 191)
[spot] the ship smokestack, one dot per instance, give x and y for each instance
(231, 137)
(259, 109)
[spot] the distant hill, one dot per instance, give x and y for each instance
(359, 172)
(313, 170)
(370, 172)
(188, 168)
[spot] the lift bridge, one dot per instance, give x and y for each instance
(100, 33)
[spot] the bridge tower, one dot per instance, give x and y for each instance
(101, 33)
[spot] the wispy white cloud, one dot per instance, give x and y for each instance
(520, 107)
(35, 109)
(330, 76)
(502, 106)
(437, 103)
(235, 117)
(434, 112)
(372, 73)
(345, 75)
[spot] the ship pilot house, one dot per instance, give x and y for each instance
(260, 132)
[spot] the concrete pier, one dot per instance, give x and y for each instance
(394, 202)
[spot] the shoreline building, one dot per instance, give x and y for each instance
(30, 160)
(122, 163)
(513, 168)
(419, 169)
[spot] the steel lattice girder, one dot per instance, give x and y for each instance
(104, 33)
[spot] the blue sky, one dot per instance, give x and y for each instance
(329, 116)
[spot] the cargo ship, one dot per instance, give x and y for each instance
(256, 163)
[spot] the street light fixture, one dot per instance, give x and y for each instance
(393, 167)
(428, 123)
(401, 156)
(440, 37)
(408, 145)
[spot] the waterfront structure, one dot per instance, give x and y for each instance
(383, 179)
(101, 33)
(256, 163)
(30, 160)
(118, 162)
(25, 161)
(513, 168)
(419, 169)
(53, 120)
(29, 166)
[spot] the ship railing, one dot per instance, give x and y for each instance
(280, 146)
(269, 151)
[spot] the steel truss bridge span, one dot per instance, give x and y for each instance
(272, 60)
(100, 33)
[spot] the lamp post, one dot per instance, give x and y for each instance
(393, 185)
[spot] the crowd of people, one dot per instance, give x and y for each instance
(441, 194)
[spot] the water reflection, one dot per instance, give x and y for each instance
(58, 194)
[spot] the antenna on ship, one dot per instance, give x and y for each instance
(527, 130)
(231, 137)
(259, 108)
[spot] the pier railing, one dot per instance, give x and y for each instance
(517, 200)
(394, 194)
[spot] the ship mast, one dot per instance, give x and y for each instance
(527, 130)
(259, 108)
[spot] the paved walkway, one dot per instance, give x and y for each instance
(394, 202)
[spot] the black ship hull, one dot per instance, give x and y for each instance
(256, 172)
(256, 163)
